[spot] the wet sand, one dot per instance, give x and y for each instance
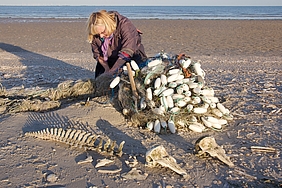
(243, 64)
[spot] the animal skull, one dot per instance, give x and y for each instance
(157, 155)
(208, 145)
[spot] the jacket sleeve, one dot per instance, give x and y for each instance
(129, 37)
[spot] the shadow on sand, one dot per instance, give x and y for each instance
(41, 70)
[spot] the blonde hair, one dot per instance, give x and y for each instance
(100, 18)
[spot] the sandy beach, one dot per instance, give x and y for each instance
(243, 64)
(194, 37)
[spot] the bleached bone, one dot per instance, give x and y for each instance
(157, 155)
(105, 171)
(80, 139)
(89, 159)
(209, 145)
(103, 162)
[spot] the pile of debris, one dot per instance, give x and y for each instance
(169, 94)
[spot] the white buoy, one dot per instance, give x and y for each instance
(163, 79)
(169, 100)
(150, 126)
(157, 126)
(196, 127)
(134, 65)
(149, 93)
(206, 122)
(154, 63)
(115, 82)
(167, 92)
(221, 108)
(171, 126)
(163, 124)
(200, 110)
(143, 104)
(157, 83)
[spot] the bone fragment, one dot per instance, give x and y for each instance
(103, 162)
(106, 145)
(110, 171)
(263, 149)
(119, 150)
(89, 159)
(132, 162)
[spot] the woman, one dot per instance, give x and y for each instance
(114, 41)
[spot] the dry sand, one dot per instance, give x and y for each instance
(243, 64)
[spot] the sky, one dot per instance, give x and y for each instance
(146, 2)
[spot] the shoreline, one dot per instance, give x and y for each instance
(39, 19)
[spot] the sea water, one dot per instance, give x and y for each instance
(146, 12)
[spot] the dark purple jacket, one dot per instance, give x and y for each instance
(126, 40)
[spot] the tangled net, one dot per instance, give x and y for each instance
(171, 94)
(22, 100)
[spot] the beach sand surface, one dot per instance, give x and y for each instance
(242, 60)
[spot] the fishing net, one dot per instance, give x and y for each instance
(192, 103)
(22, 100)
(71, 89)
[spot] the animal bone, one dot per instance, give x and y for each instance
(103, 162)
(80, 139)
(134, 174)
(157, 155)
(110, 171)
(263, 149)
(132, 161)
(208, 145)
(89, 159)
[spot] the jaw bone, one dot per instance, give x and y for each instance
(157, 155)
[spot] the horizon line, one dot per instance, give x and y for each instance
(147, 5)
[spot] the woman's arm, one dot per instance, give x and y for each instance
(97, 57)
(129, 43)
(116, 66)
(104, 64)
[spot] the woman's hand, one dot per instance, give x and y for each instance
(117, 66)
